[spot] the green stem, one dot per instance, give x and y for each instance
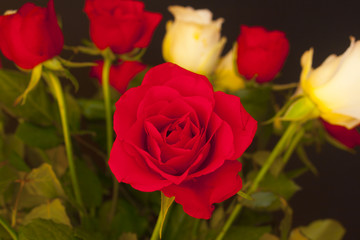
(109, 125)
(156, 232)
(280, 87)
(290, 131)
(8, 229)
(55, 85)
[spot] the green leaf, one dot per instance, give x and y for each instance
(268, 236)
(88, 235)
(244, 195)
(41, 229)
(58, 159)
(36, 136)
(286, 222)
(257, 102)
(261, 200)
(128, 236)
(7, 176)
(165, 205)
(18, 162)
(280, 185)
(327, 229)
(14, 144)
(301, 109)
(135, 223)
(92, 109)
(42, 181)
(89, 183)
(247, 232)
(37, 108)
(34, 80)
(53, 210)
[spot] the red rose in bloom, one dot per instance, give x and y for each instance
(121, 25)
(174, 134)
(120, 74)
(348, 137)
(261, 53)
(31, 35)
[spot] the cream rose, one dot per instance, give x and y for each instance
(193, 40)
(226, 77)
(334, 87)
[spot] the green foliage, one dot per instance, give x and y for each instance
(53, 210)
(36, 136)
(37, 109)
(327, 229)
(43, 182)
(247, 232)
(257, 102)
(90, 185)
(41, 229)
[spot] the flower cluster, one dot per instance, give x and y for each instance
(182, 128)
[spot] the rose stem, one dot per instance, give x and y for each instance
(56, 88)
(156, 231)
(283, 142)
(8, 229)
(108, 58)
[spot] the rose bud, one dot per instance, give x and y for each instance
(226, 77)
(121, 25)
(193, 40)
(120, 74)
(348, 137)
(334, 86)
(176, 135)
(261, 53)
(30, 35)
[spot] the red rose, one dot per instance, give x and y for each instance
(121, 25)
(174, 134)
(261, 53)
(31, 35)
(348, 137)
(120, 74)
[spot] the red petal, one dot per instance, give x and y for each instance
(150, 22)
(129, 167)
(230, 109)
(197, 195)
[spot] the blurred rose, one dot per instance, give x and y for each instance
(226, 77)
(348, 137)
(334, 86)
(120, 74)
(30, 35)
(193, 39)
(176, 135)
(261, 53)
(121, 25)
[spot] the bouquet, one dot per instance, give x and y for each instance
(196, 147)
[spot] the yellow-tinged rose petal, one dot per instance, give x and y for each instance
(334, 86)
(193, 40)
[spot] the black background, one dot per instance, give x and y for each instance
(324, 25)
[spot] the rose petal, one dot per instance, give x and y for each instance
(129, 167)
(197, 195)
(230, 109)
(185, 82)
(151, 21)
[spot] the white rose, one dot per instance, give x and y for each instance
(334, 87)
(193, 40)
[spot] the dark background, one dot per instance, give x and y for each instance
(324, 25)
